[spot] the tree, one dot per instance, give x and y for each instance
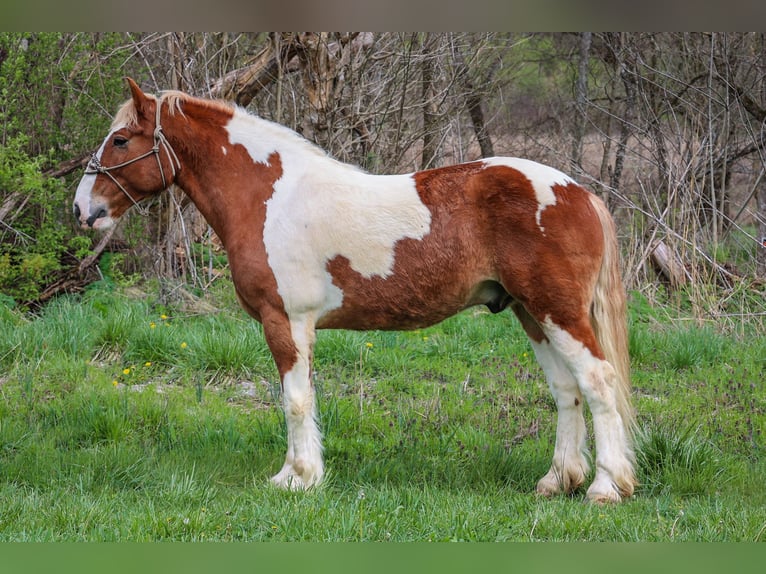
(666, 126)
(47, 85)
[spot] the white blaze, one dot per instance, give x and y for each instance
(84, 194)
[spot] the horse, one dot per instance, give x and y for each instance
(314, 243)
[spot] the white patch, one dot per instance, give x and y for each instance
(596, 379)
(570, 465)
(223, 150)
(327, 209)
(104, 223)
(84, 194)
(303, 465)
(543, 179)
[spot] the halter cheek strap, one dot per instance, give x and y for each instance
(160, 142)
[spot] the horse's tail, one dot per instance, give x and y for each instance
(609, 316)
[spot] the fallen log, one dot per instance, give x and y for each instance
(668, 265)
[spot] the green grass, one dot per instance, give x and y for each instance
(124, 419)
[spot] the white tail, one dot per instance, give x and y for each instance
(609, 316)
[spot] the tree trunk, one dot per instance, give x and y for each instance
(668, 264)
(479, 126)
(581, 96)
(761, 211)
(431, 139)
(243, 84)
(626, 70)
(473, 102)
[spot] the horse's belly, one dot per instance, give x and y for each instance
(387, 316)
(411, 299)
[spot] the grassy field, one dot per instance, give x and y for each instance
(124, 419)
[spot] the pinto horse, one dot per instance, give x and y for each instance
(314, 243)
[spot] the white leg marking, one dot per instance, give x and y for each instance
(570, 465)
(596, 380)
(303, 466)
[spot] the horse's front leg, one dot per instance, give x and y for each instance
(292, 343)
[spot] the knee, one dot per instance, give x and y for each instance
(298, 404)
(600, 384)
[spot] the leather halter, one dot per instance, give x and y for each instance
(160, 142)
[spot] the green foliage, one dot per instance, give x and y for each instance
(59, 89)
(55, 89)
(32, 245)
(679, 460)
(685, 345)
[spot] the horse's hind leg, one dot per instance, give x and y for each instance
(570, 465)
(597, 381)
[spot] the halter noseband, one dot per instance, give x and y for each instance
(94, 165)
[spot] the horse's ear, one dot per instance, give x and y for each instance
(139, 98)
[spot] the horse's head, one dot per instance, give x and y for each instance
(135, 161)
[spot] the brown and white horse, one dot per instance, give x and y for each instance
(317, 244)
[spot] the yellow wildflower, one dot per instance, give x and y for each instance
(126, 371)
(184, 345)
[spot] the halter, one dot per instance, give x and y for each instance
(94, 165)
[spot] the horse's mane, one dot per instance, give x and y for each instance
(177, 101)
(127, 115)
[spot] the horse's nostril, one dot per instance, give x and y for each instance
(77, 212)
(97, 215)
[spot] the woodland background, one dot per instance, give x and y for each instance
(669, 128)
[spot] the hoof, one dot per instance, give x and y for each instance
(612, 497)
(555, 483)
(548, 487)
(290, 479)
(605, 491)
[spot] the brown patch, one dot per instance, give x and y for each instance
(577, 402)
(531, 327)
(432, 278)
(552, 274)
(483, 229)
(234, 205)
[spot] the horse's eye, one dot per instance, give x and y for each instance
(120, 141)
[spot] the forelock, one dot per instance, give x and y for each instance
(127, 115)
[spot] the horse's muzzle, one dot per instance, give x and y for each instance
(90, 221)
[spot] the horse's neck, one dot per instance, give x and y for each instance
(233, 202)
(233, 197)
(222, 203)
